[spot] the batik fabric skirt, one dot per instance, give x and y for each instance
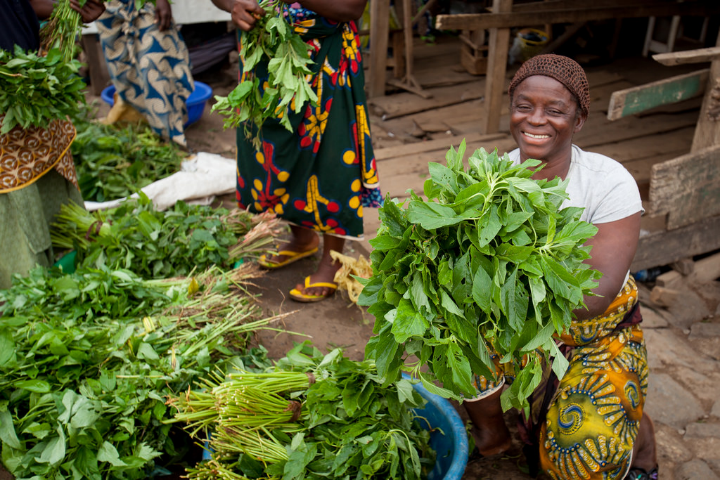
(321, 174)
(37, 176)
(149, 68)
(588, 428)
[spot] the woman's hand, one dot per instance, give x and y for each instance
(90, 12)
(245, 13)
(163, 15)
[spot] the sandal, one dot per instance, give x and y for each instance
(292, 257)
(299, 296)
(637, 473)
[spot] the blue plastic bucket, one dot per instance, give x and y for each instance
(195, 103)
(451, 444)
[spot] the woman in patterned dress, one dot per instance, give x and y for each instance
(590, 424)
(37, 173)
(320, 175)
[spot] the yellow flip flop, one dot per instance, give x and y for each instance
(299, 296)
(292, 257)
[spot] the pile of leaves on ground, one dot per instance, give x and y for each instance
(490, 263)
(155, 244)
(310, 416)
(35, 90)
(114, 162)
(88, 360)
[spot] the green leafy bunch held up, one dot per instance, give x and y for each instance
(489, 264)
(36, 90)
(274, 42)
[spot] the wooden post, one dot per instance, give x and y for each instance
(497, 66)
(379, 33)
(707, 133)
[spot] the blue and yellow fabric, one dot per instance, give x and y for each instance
(321, 174)
(593, 419)
(149, 68)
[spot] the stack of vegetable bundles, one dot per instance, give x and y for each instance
(488, 265)
(311, 416)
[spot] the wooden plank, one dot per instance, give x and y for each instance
(569, 32)
(406, 104)
(663, 92)
(686, 188)
(499, 41)
(434, 145)
(701, 55)
(478, 21)
(539, 6)
(635, 149)
(600, 131)
(663, 248)
(707, 133)
(379, 33)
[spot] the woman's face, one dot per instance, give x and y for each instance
(543, 117)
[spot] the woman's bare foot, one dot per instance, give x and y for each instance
(302, 240)
(326, 269)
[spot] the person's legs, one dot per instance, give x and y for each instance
(327, 268)
(491, 435)
(644, 451)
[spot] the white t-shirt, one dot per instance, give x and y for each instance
(599, 184)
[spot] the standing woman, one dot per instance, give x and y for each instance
(37, 173)
(590, 424)
(319, 176)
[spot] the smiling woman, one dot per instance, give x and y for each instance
(590, 424)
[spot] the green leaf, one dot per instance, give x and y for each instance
(7, 430)
(37, 386)
(108, 453)
(408, 322)
(54, 451)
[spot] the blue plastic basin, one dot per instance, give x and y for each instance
(451, 444)
(452, 447)
(195, 103)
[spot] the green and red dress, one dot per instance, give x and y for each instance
(323, 173)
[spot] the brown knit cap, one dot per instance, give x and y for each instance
(563, 69)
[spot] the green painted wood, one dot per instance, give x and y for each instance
(663, 92)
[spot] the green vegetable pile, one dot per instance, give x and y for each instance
(488, 264)
(155, 244)
(309, 417)
(114, 162)
(35, 90)
(274, 42)
(87, 361)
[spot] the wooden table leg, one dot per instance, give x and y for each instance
(379, 33)
(497, 67)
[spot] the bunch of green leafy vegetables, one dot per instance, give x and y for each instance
(151, 243)
(84, 379)
(35, 90)
(274, 43)
(114, 162)
(349, 425)
(489, 264)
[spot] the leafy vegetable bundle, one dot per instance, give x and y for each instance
(489, 264)
(309, 417)
(156, 244)
(116, 162)
(35, 90)
(83, 379)
(252, 102)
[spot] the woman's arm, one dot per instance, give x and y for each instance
(43, 8)
(338, 10)
(613, 250)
